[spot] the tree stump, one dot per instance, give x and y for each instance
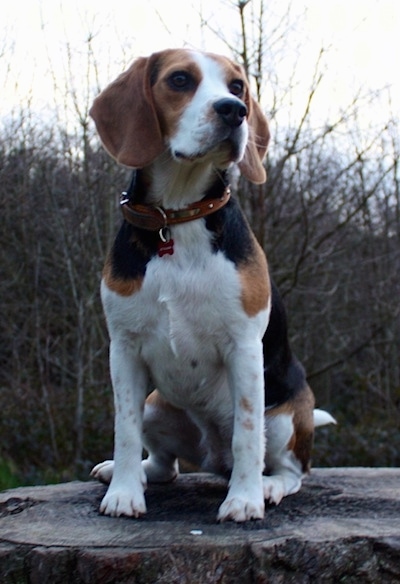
(343, 526)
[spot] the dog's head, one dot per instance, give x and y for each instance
(197, 105)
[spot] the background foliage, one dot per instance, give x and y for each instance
(328, 218)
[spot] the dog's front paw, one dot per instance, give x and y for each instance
(123, 501)
(240, 509)
(103, 471)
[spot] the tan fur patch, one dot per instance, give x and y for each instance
(256, 287)
(301, 408)
(304, 426)
(119, 285)
(285, 408)
(248, 425)
(246, 405)
(156, 399)
(170, 104)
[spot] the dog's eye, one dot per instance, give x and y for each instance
(180, 81)
(236, 87)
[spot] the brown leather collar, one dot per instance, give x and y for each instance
(153, 218)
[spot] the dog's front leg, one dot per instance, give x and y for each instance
(125, 495)
(245, 499)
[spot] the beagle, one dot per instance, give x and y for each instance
(189, 304)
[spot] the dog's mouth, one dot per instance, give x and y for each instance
(186, 157)
(222, 151)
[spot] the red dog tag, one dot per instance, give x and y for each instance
(165, 248)
(166, 244)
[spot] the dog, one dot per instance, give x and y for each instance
(188, 299)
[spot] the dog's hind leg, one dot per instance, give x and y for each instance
(285, 469)
(168, 434)
(290, 433)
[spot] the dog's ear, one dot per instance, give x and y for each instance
(126, 119)
(251, 164)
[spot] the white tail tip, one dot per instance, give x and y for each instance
(322, 418)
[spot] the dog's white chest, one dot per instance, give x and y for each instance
(193, 305)
(183, 319)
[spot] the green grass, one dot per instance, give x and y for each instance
(9, 477)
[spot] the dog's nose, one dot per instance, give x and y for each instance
(232, 111)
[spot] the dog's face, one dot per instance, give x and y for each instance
(196, 105)
(201, 105)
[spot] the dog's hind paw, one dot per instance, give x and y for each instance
(157, 472)
(274, 489)
(277, 487)
(103, 471)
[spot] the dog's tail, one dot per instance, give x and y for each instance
(322, 418)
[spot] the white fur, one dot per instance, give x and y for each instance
(287, 471)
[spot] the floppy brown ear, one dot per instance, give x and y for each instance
(251, 165)
(125, 117)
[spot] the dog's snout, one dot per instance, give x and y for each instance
(232, 111)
